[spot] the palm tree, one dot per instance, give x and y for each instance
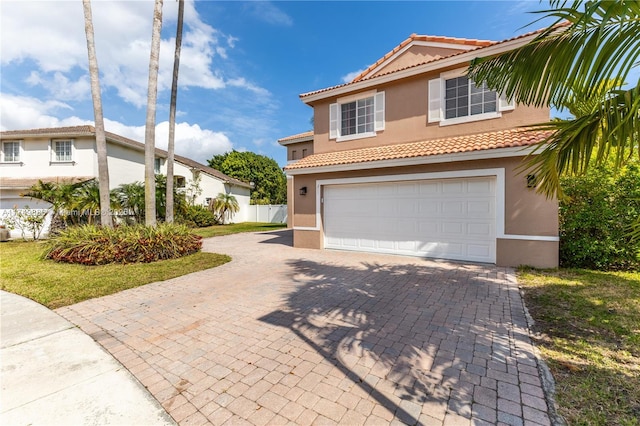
(588, 44)
(101, 141)
(224, 205)
(172, 114)
(60, 195)
(150, 125)
(88, 200)
(130, 196)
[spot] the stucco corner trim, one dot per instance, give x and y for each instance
(528, 237)
(306, 228)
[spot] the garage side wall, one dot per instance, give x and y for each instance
(530, 219)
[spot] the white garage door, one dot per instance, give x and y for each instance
(441, 218)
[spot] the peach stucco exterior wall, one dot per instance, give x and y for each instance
(415, 55)
(526, 211)
(299, 150)
(406, 105)
(290, 201)
(539, 254)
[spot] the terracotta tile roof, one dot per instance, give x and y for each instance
(87, 130)
(479, 48)
(477, 142)
(300, 137)
(423, 38)
(304, 135)
(24, 183)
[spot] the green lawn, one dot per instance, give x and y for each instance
(589, 334)
(24, 272)
(234, 228)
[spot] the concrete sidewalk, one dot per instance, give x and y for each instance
(53, 373)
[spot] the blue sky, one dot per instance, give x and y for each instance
(243, 63)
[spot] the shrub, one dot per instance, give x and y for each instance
(595, 220)
(92, 245)
(197, 215)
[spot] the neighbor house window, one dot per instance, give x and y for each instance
(63, 151)
(156, 165)
(180, 181)
(10, 152)
(304, 152)
(453, 99)
(294, 154)
(356, 116)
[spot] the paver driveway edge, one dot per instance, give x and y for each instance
(548, 381)
(281, 335)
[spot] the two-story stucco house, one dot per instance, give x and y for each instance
(69, 153)
(412, 158)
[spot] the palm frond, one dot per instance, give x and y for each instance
(583, 48)
(571, 146)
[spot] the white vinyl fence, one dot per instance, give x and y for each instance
(270, 213)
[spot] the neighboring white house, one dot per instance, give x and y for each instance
(69, 153)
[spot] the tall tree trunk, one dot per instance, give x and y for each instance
(101, 140)
(150, 125)
(172, 114)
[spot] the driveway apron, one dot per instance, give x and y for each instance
(282, 335)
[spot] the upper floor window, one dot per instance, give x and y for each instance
(357, 116)
(304, 152)
(454, 99)
(462, 98)
(62, 151)
(11, 152)
(157, 164)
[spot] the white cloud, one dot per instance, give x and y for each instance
(61, 87)
(349, 77)
(22, 112)
(122, 34)
(191, 140)
(266, 11)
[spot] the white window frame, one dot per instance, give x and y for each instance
(335, 116)
(20, 153)
(157, 165)
(52, 149)
(437, 101)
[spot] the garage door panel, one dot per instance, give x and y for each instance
(452, 187)
(455, 208)
(446, 218)
(479, 187)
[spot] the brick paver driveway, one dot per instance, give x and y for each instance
(282, 335)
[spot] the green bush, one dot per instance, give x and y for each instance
(595, 220)
(198, 216)
(93, 245)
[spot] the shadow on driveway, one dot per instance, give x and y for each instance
(407, 335)
(284, 237)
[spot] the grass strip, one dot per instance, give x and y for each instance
(235, 228)
(588, 326)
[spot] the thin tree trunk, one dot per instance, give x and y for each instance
(172, 114)
(101, 140)
(150, 125)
